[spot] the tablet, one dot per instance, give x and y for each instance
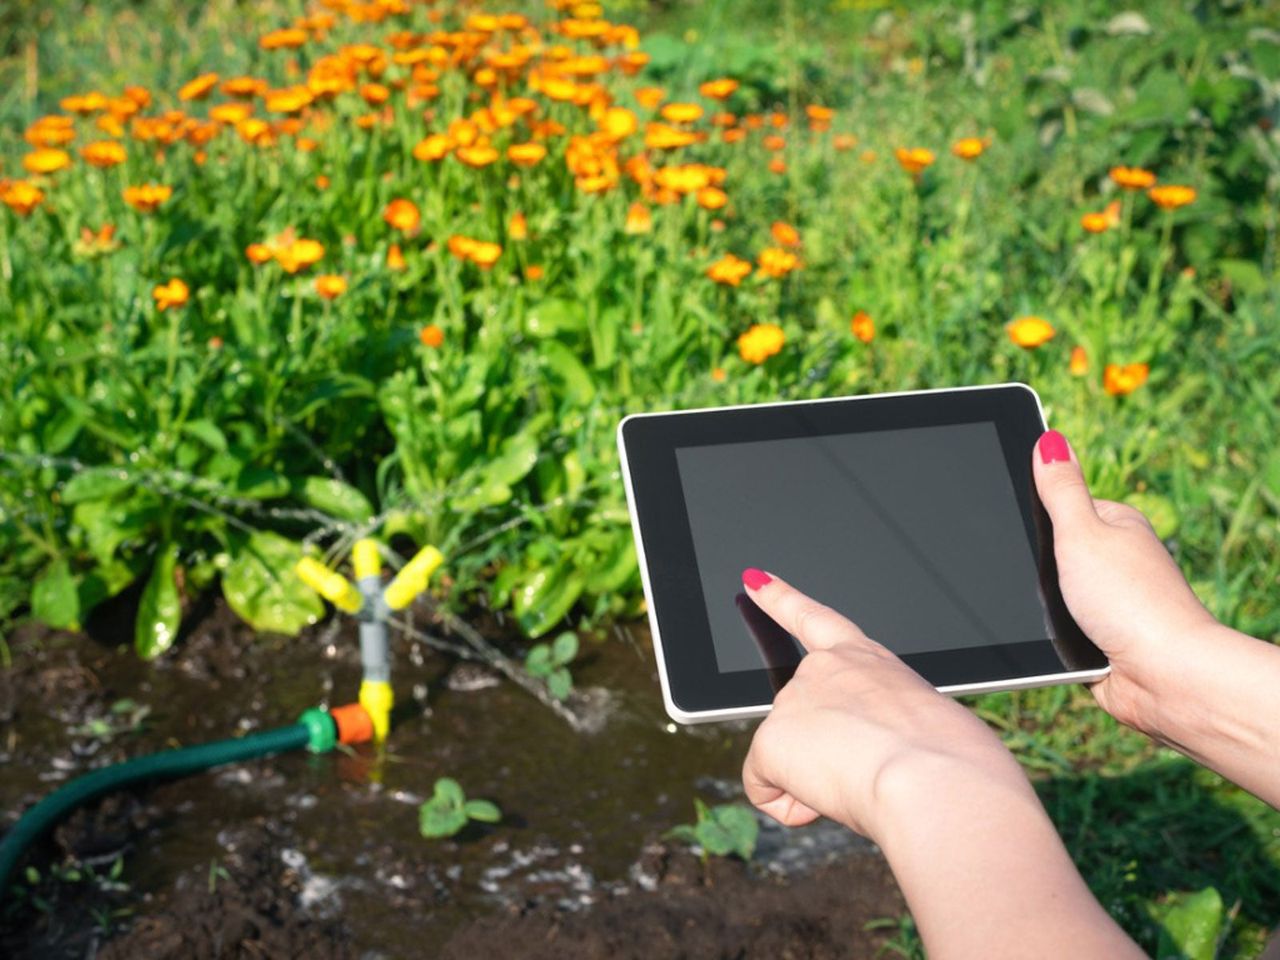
(913, 514)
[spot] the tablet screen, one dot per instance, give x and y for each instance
(914, 534)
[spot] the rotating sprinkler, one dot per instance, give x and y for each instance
(316, 730)
(372, 607)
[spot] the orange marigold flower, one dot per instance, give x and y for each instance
(778, 165)
(618, 123)
(719, 375)
(526, 154)
(20, 196)
(175, 293)
(1172, 196)
(330, 285)
(518, 228)
(431, 336)
(244, 87)
(533, 272)
(1133, 178)
(103, 153)
(479, 155)
(1030, 332)
(293, 253)
(729, 270)
(403, 215)
(721, 89)
(661, 136)
(774, 142)
(84, 104)
(46, 160)
(289, 99)
(914, 160)
(776, 262)
(785, 234)
(1120, 380)
(862, 326)
(733, 135)
(288, 38)
(650, 97)
(258, 253)
(147, 197)
(395, 258)
(844, 141)
(969, 148)
(1095, 222)
(434, 147)
(1079, 364)
(639, 219)
(50, 131)
(819, 114)
(681, 112)
(485, 255)
(712, 198)
(761, 342)
(375, 94)
(139, 95)
(198, 88)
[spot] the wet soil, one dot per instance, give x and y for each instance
(305, 856)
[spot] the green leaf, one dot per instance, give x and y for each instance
(482, 810)
(95, 483)
(741, 825)
(517, 457)
(560, 683)
(261, 483)
(685, 833)
(544, 598)
(335, 498)
(437, 820)
(54, 598)
(448, 790)
(160, 610)
(538, 661)
(564, 648)
(554, 316)
(262, 588)
(1244, 275)
(207, 432)
(567, 371)
(1190, 926)
(1159, 510)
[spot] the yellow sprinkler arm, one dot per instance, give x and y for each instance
(412, 578)
(330, 584)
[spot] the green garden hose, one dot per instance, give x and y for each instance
(314, 730)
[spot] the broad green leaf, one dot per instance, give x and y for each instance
(160, 610)
(261, 483)
(544, 598)
(1190, 926)
(95, 483)
(489, 494)
(448, 790)
(262, 588)
(335, 498)
(483, 810)
(741, 825)
(564, 648)
(567, 371)
(560, 683)
(437, 820)
(516, 458)
(207, 432)
(54, 598)
(538, 660)
(554, 316)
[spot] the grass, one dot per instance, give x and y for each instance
(198, 447)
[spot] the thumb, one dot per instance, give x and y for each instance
(1061, 483)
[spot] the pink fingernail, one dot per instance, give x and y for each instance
(755, 579)
(1053, 447)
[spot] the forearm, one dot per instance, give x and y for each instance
(985, 873)
(1216, 698)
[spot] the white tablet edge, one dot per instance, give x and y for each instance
(745, 713)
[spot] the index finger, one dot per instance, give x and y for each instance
(815, 625)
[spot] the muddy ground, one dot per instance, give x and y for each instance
(319, 857)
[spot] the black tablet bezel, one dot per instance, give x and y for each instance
(695, 685)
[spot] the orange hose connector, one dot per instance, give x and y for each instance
(353, 722)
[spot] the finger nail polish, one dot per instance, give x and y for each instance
(1053, 447)
(755, 579)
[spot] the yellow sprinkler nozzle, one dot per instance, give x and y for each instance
(377, 699)
(330, 584)
(365, 559)
(412, 578)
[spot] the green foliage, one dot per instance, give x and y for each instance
(1191, 925)
(727, 829)
(449, 810)
(550, 662)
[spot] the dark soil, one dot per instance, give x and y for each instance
(319, 857)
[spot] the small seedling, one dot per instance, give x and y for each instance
(448, 810)
(125, 716)
(550, 662)
(723, 830)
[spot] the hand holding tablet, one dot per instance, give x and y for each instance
(912, 514)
